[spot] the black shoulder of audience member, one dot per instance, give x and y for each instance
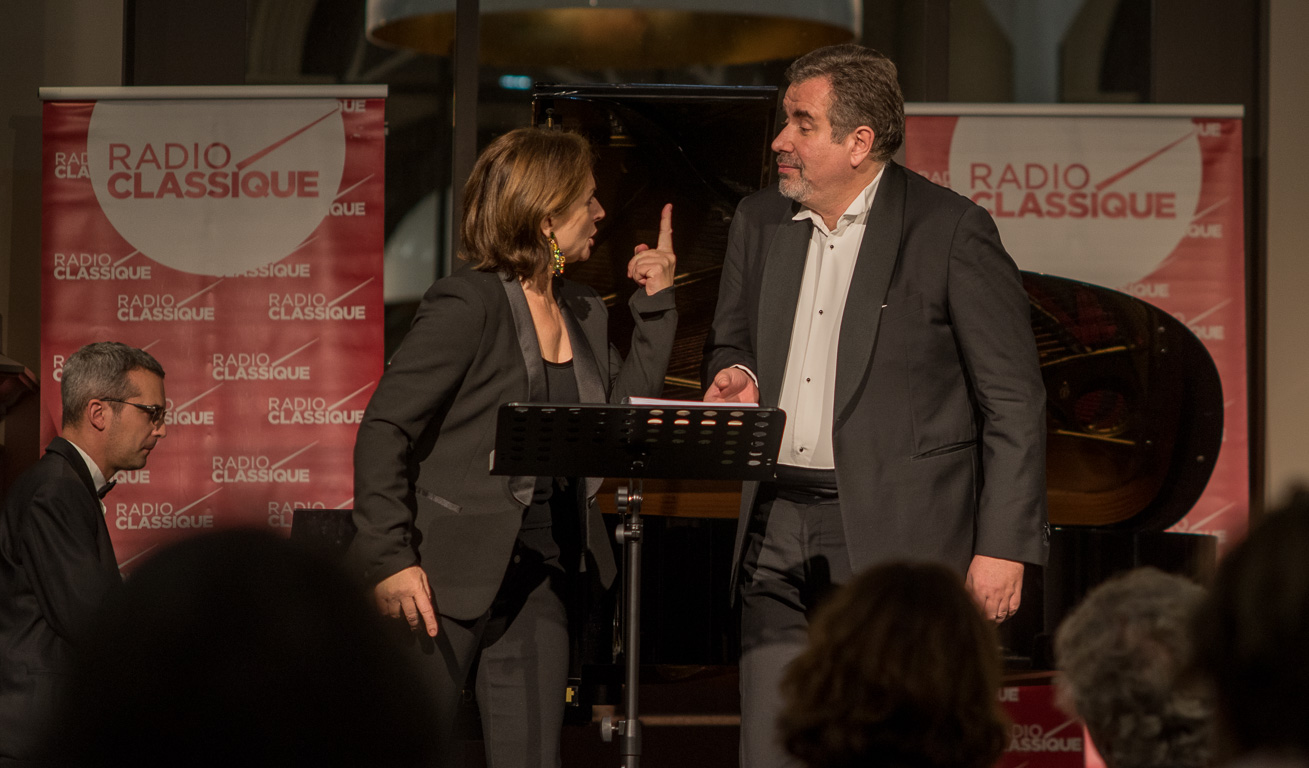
(1252, 637)
(241, 648)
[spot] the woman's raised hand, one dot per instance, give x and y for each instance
(655, 267)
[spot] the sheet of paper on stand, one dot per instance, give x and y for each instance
(655, 401)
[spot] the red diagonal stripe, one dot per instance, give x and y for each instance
(256, 156)
(1140, 163)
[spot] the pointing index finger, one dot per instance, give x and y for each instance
(666, 228)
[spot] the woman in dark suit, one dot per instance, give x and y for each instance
(477, 563)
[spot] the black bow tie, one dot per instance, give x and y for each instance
(106, 488)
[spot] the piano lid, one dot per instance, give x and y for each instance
(1134, 407)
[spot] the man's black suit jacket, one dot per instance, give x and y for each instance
(938, 424)
(56, 567)
(423, 489)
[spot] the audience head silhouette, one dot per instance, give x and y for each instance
(1252, 634)
(240, 648)
(1124, 653)
(902, 671)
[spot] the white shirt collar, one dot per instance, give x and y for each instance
(858, 207)
(97, 476)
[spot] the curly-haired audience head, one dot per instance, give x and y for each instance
(1123, 653)
(902, 671)
(1252, 634)
(521, 178)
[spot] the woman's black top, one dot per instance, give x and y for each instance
(552, 518)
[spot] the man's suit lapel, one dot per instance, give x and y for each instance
(521, 486)
(778, 296)
(868, 288)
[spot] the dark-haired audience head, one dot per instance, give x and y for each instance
(520, 179)
(1252, 635)
(1124, 653)
(901, 671)
(241, 648)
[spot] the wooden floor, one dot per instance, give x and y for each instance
(687, 723)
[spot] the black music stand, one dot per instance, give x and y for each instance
(675, 442)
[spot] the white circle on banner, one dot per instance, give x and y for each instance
(1102, 200)
(216, 187)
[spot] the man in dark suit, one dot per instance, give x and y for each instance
(881, 312)
(56, 560)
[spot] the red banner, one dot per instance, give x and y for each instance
(1147, 200)
(238, 239)
(1040, 734)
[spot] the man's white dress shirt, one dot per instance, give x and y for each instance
(809, 384)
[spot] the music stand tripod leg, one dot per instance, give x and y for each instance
(629, 533)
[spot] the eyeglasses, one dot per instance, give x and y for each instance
(156, 412)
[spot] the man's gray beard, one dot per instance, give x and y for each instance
(797, 187)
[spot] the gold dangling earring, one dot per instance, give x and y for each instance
(556, 255)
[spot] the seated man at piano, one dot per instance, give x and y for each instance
(881, 312)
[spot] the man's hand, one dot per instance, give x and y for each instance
(406, 595)
(656, 267)
(996, 585)
(732, 385)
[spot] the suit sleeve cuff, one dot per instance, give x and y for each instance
(645, 304)
(749, 373)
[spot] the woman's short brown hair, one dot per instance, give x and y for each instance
(520, 179)
(901, 670)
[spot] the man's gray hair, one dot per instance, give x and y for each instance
(1125, 653)
(865, 91)
(100, 370)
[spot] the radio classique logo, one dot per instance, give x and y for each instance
(251, 365)
(216, 188)
(1104, 200)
